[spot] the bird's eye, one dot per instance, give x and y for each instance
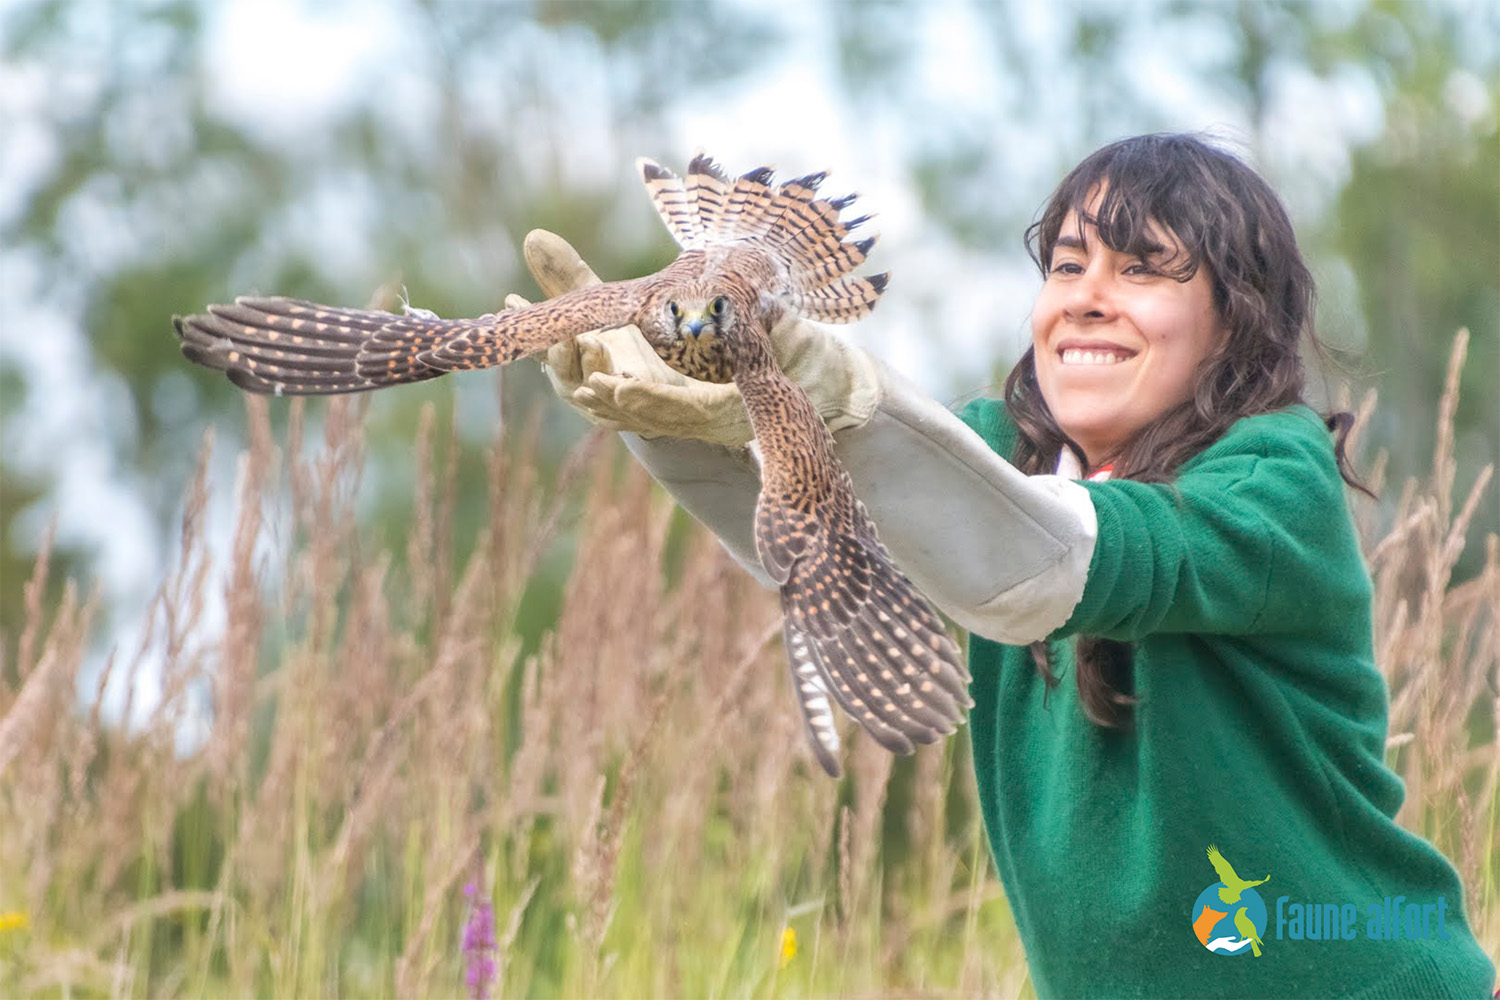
(718, 305)
(673, 311)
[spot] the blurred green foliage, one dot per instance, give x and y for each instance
(155, 201)
(1419, 224)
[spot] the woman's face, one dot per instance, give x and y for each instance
(1117, 341)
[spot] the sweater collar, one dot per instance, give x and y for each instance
(1069, 467)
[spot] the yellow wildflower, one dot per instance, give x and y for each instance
(788, 947)
(13, 921)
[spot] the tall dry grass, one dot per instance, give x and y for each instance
(1438, 645)
(633, 795)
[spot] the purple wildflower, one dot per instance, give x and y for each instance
(479, 944)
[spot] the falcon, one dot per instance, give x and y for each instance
(856, 630)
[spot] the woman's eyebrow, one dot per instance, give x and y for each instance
(1161, 253)
(1072, 242)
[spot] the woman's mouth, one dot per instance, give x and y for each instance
(1095, 355)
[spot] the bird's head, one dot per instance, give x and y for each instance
(694, 329)
(699, 319)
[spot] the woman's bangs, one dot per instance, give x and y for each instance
(1142, 202)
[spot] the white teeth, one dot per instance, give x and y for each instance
(1078, 356)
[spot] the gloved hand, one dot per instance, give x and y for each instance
(618, 381)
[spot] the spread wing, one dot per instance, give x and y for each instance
(283, 346)
(852, 619)
(883, 653)
(800, 230)
(1222, 866)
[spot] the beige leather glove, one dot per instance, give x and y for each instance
(618, 381)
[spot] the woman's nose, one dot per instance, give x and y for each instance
(1090, 297)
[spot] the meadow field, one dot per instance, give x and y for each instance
(361, 777)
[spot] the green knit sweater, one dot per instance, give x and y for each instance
(1260, 728)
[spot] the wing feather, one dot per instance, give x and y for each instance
(852, 696)
(888, 661)
(811, 685)
(877, 678)
(283, 346)
(516, 333)
(288, 346)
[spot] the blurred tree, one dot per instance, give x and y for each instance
(1419, 223)
(160, 196)
(1416, 221)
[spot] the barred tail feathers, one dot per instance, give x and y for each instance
(805, 231)
(748, 212)
(842, 301)
(710, 189)
(677, 208)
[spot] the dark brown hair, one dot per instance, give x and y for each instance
(1227, 219)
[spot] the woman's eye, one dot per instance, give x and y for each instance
(1140, 269)
(1066, 267)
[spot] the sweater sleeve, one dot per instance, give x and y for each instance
(1252, 536)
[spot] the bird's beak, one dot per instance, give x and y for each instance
(692, 323)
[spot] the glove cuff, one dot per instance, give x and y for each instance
(1006, 555)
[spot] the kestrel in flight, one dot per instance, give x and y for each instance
(856, 630)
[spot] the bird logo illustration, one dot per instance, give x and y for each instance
(1229, 916)
(1247, 929)
(1233, 884)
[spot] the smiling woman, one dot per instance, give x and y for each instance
(1208, 598)
(1225, 616)
(1209, 290)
